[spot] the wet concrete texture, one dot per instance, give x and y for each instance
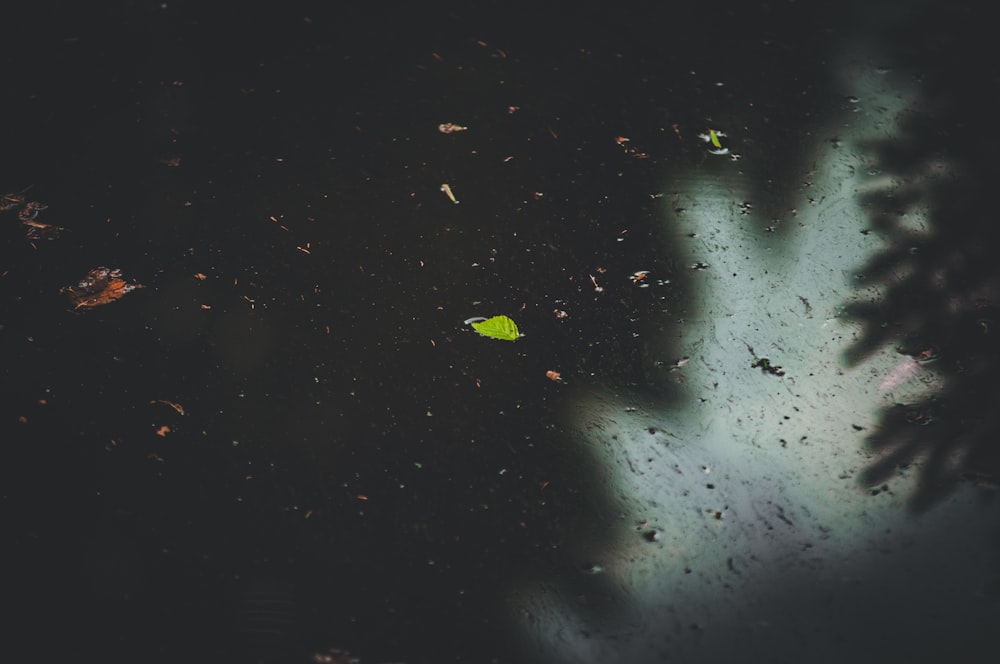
(772, 435)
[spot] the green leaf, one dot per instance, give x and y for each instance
(498, 327)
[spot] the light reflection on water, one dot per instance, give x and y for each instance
(750, 481)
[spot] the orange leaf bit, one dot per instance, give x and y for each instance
(176, 406)
(101, 286)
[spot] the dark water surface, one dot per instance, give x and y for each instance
(774, 433)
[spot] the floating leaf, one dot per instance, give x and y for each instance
(498, 327)
(101, 286)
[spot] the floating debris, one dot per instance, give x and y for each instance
(28, 215)
(713, 137)
(101, 286)
(31, 210)
(924, 355)
(639, 278)
(450, 128)
(632, 152)
(35, 230)
(333, 656)
(498, 327)
(920, 416)
(176, 406)
(717, 148)
(766, 366)
(447, 190)
(11, 201)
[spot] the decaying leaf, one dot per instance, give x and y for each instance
(28, 214)
(35, 230)
(11, 201)
(101, 286)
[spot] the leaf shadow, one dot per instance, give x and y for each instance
(933, 291)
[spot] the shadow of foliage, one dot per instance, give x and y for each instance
(938, 277)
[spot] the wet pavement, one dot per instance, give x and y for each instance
(741, 402)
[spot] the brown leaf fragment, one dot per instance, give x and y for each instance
(30, 210)
(36, 230)
(176, 406)
(28, 215)
(10, 201)
(101, 286)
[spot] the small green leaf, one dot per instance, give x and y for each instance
(498, 327)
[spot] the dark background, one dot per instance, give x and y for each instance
(335, 478)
